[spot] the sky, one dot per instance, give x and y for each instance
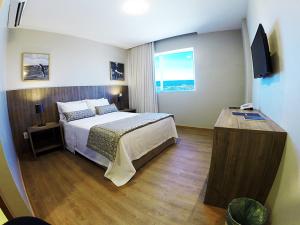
(35, 59)
(175, 66)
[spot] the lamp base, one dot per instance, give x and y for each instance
(42, 121)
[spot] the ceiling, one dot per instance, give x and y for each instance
(105, 21)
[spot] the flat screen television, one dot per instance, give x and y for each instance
(262, 63)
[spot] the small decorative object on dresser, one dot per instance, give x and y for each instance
(128, 110)
(45, 138)
(35, 66)
(117, 71)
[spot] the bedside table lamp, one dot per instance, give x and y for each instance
(39, 109)
(120, 96)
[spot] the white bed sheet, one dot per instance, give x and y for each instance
(132, 145)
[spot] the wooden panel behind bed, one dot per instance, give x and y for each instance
(22, 112)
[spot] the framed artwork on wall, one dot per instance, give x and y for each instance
(117, 71)
(35, 66)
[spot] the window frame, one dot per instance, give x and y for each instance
(189, 49)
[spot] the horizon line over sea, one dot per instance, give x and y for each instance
(175, 85)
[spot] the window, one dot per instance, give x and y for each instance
(174, 70)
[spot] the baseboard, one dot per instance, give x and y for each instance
(194, 128)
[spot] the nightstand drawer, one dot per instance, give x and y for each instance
(45, 138)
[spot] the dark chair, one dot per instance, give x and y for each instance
(27, 220)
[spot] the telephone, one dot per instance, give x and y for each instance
(247, 106)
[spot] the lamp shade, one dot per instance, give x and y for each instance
(39, 108)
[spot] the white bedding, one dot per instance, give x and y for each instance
(132, 145)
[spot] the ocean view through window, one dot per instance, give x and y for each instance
(174, 70)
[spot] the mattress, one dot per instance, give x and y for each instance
(132, 146)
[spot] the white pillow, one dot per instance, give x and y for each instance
(64, 107)
(93, 103)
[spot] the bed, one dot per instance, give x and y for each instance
(134, 148)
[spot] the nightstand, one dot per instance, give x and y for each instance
(128, 110)
(45, 138)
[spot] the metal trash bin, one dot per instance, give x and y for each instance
(246, 211)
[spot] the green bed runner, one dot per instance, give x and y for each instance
(104, 138)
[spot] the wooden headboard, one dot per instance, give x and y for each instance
(22, 112)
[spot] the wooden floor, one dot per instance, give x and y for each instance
(67, 189)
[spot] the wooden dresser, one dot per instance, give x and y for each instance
(245, 157)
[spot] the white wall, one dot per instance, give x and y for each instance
(219, 74)
(279, 98)
(247, 62)
(11, 184)
(73, 61)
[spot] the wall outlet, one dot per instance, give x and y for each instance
(25, 135)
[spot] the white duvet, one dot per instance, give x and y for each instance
(132, 145)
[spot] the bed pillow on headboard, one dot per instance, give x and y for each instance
(101, 110)
(80, 114)
(93, 103)
(64, 107)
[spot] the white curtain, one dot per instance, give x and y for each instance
(141, 80)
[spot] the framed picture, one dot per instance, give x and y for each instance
(117, 71)
(35, 66)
